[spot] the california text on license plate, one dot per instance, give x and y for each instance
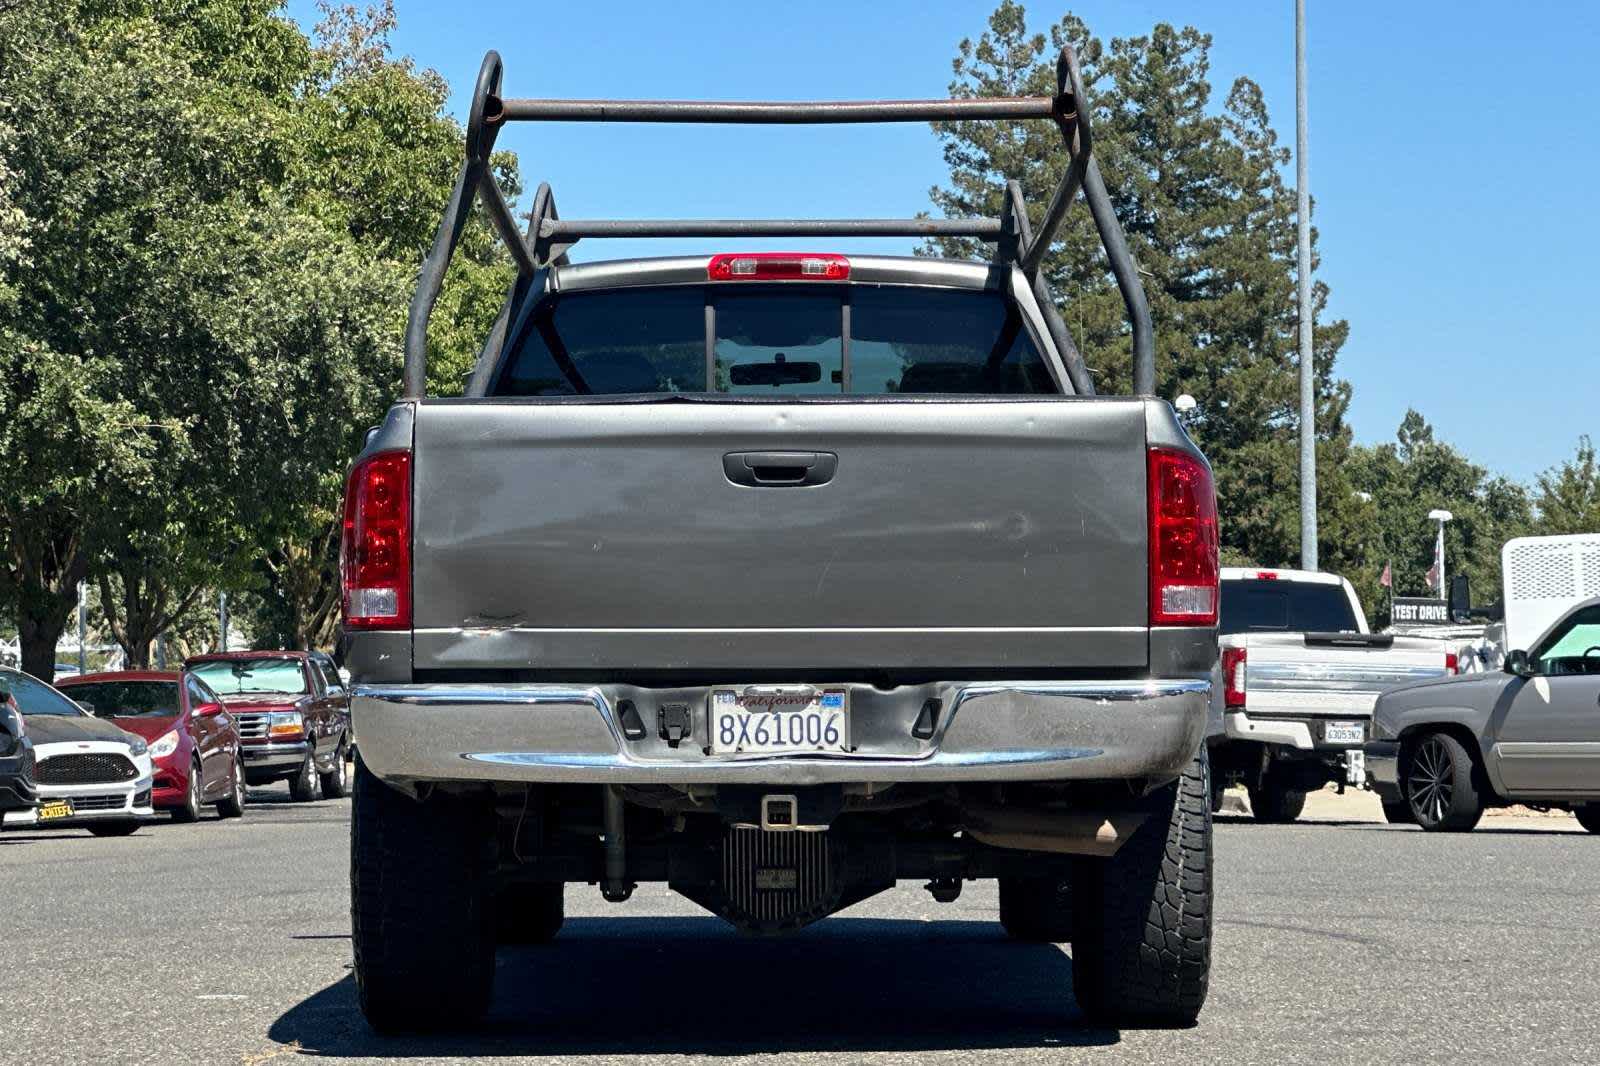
(55, 809)
(780, 719)
(1343, 733)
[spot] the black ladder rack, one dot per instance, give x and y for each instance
(548, 236)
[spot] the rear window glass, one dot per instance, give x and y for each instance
(775, 341)
(902, 342)
(1285, 606)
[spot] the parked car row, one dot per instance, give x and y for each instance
(107, 751)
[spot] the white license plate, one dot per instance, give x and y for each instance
(779, 720)
(1344, 733)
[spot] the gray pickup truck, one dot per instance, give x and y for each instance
(780, 578)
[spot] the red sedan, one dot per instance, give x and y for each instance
(194, 741)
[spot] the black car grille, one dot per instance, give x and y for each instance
(98, 803)
(252, 724)
(85, 768)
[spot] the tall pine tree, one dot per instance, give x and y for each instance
(1200, 194)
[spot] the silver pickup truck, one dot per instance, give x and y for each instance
(780, 578)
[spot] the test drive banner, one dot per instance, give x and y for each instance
(1419, 611)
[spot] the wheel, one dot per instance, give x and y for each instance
(1036, 910)
(1438, 779)
(114, 829)
(336, 782)
(1275, 803)
(232, 805)
(303, 786)
(419, 915)
(528, 913)
(190, 811)
(1589, 817)
(1141, 938)
(1399, 813)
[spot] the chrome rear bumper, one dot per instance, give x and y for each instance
(1001, 731)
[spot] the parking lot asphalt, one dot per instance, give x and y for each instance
(1336, 942)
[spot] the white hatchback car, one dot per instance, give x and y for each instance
(88, 771)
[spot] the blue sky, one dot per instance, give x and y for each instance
(1453, 153)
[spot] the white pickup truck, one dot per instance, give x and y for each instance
(1300, 673)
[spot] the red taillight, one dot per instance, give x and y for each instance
(375, 553)
(1266, 575)
(778, 266)
(1183, 540)
(1233, 672)
(1452, 664)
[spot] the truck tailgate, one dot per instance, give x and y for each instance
(952, 535)
(1298, 674)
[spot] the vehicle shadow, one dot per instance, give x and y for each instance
(692, 986)
(1558, 830)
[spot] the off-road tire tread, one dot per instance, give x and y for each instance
(419, 915)
(1142, 938)
(1036, 910)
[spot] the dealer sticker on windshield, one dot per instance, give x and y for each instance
(779, 720)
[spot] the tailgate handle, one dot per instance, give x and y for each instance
(763, 470)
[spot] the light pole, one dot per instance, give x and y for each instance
(1440, 516)
(1308, 406)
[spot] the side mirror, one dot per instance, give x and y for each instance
(1517, 663)
(1460, 597)
(208, 710)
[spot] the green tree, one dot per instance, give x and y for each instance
(1567, 497)
(1199, 193)
(1412, 476)
(210, 228)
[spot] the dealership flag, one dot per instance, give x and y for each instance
(1386, 579)
(1433, 575)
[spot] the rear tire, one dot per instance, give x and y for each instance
(1439, 779)
(1036, 910)
(1399, 813)
(114, 829)
(1141, 944)
(303, 785)
(232, 805)
(529, 913)
(420, 915)
(1276, 804)
(336, 782)
(1589, 817)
